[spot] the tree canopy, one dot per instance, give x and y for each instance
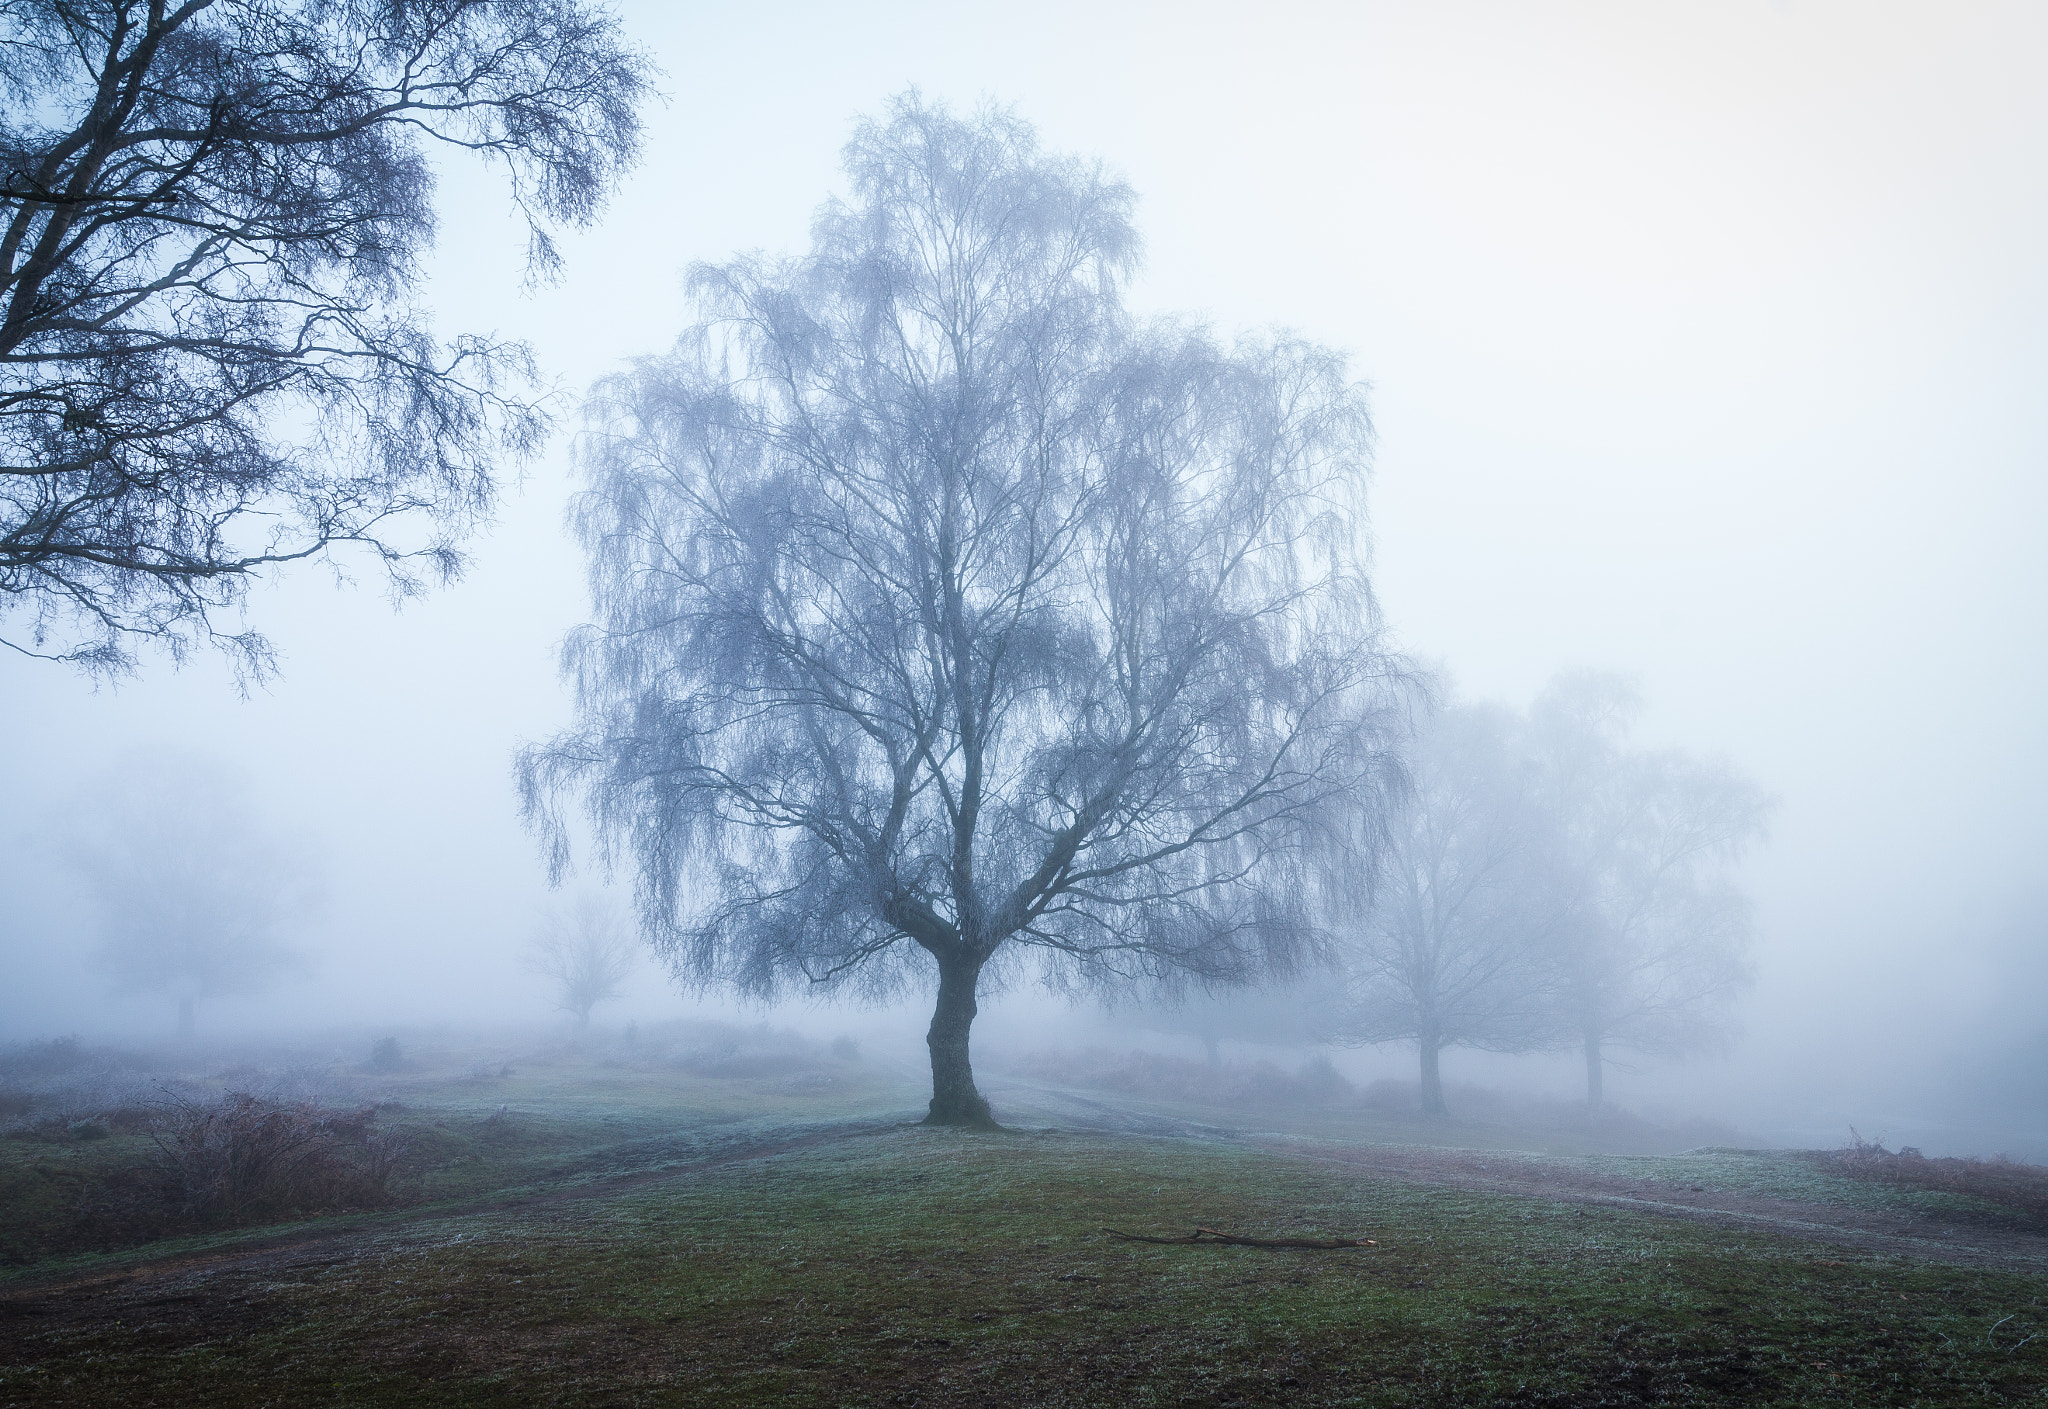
(196, 897)
(1442, 920)
(586, 955)
(1648, 932)
(948, 615)
(1544, 886)
(212, 217)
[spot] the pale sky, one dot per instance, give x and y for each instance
(1708, 342)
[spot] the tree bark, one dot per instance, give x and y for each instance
(955, 1101)
(1432, 1078)
(1595, 1071)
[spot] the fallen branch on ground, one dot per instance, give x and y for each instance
(1210, 1235)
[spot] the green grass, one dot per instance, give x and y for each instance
(557, 1121)
(1797, 1176)
(934, 1268)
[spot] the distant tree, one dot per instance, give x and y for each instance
(587, 956)
(196, 896)
(1290, 1014)
(947, 617)
(1648, 937)
(1439, 915)
(212, 217)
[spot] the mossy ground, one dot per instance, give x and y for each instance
(922, 1267)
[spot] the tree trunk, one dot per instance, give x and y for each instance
(1212, 1049)
(1595, 1070)
(1432, 1078)
(185, 1017)
(954, 1099)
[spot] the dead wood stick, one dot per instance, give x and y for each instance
(1210, 1235)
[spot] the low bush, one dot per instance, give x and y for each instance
(243, 1157)
(53, 1109)
(2008, 1183)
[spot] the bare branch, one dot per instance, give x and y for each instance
(211, 221)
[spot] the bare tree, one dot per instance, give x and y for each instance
(586, 956)
(1294, 1014)
(196, 896)
(212, 215)
(1648, 932)
(1438, 917)
(946, 618)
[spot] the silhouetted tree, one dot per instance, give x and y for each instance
(1648, 932)
(1439, 916)
(946, 616)
(586, 955)
(195, 894)
(212, 215)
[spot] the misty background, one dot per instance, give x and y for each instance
(1707, 344)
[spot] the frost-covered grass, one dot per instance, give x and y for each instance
(474, 1118)
(1314, 1100)
(916, 1266)
(1799, 1176)
(611, 1225)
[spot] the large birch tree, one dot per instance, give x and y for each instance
(948, 617)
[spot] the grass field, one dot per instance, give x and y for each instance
(713, 1252)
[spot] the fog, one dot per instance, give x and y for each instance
(1706, 345)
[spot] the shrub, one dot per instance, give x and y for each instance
(244, 1157)
(385, 1056)
(54, 1108)
(2006, 1182)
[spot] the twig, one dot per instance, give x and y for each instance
(1210, 1235)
